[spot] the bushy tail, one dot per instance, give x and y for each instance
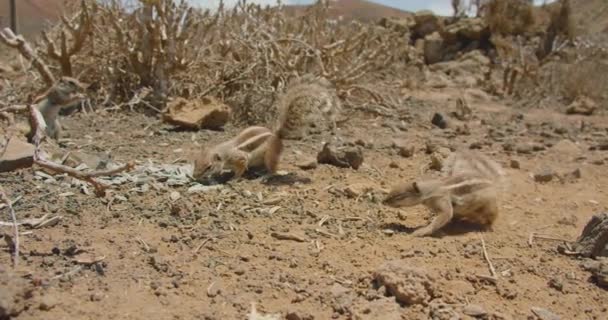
(303, 96)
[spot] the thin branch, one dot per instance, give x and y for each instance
(37, 124)
(487, 257)
(18, 42)
(4, 198)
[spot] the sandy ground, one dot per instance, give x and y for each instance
(210, 255)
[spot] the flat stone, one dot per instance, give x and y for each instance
(19, 154)
(208, 113)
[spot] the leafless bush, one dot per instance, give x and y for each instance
(509, 17)
(560, 27)
(243, 55)
(79, 29)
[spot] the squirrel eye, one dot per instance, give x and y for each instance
(216, 157)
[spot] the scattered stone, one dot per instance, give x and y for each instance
(408, 285)
(96, 296)
(439, 121)
(566, 147)
(344, 157)
(599, 271)
(474, 310)
(209, 113)
(19, 154)
(393, 165)
(403, 148)
(582, 106)
(214, 290)
(361, 142)
(476, 145)
(544, 175)
(443, 311)
(602, 146)
(380, 308)
(254, 315)
(528, 148)
(574, 175)
(556, 284)
(47, 302)
(439, 158)
(341, 298)
(298, 316)
(515, 164)
(199, 188)
(307, 164)
(593, 241)
(544, 314)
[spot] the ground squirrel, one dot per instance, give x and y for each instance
(299, 108)
(64, 93)
(468, 192)
(253, 147)
(261, 147)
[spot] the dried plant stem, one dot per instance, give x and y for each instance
(9, 204)
(487, 257)
(18, 42)
(35, 121)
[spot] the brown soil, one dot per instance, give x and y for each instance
(210, 255)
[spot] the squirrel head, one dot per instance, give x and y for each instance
(66, 89)
(406, 194)
(206, 163)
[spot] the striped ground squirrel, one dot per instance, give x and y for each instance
(65, 92)
(468, 191)
(258, 146)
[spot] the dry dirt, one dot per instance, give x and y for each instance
(210, 255)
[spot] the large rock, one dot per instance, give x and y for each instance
(19, 154)
(400, 25)
(208, 113)
(473, 62)
(433, 48)
(342, 157)
(426, 23)
(593, 241)
(582, 106)
(466, 30)
(599, 271)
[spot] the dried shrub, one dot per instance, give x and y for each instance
(585, 78)
(560, 27)
(243, 55)
(509, 17)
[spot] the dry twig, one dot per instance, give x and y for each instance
(37, 123)
(534, 236)
(487, 258)
(287, 236)
(18, 42)
(9, 204)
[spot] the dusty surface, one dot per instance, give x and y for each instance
(210, 255)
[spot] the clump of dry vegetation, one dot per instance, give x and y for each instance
(244, 55)
(508, 17)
